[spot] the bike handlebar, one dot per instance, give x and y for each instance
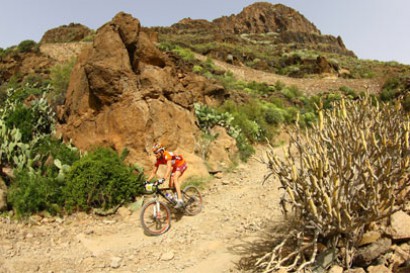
(155, 184)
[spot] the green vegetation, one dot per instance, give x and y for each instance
(265, 110)
(59, 79)
(50, 175)
(99, 179)
(27, 46)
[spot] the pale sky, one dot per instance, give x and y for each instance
(373, 29)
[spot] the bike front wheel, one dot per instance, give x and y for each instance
(155, 218)
(192, 200)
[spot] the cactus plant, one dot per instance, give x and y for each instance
(14, 150)
(349, 170)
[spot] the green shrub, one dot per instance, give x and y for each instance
(387, 94)
(185, 53)
(279, 85)
(100, 180)
(250, 119)
(32, 192)
(406, 103)
(246, 149)
(165, 46)
(291, 92)
(34, 80)
(60, 78)
(27, 46)
(197, 69)
(274, 115)
(19, 93)
(34, 120)
(21, 118)
(307, 119)
(52, 147)
(349, 92)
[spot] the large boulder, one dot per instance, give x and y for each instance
(125, 93)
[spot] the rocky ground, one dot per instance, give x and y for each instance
(236, 209)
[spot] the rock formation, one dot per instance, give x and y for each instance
(278, 24)
(125, 93)
(65, 34)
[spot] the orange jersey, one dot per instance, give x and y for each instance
(176, 160)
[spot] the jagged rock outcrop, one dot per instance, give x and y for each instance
(275, 24)
(263, 17)
(125, 93)
(66, 33)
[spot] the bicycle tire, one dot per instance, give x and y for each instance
(152, 225)
(192, 200)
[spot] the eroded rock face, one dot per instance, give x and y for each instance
(125, 93)
(24, 64)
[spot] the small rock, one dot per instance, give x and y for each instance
(115, 262)
(378, 269)
(109, 222)
(369, 237)
(167, 256)
(35, 219)
(365, 255)
(336, 269)
(400, 223)
(219, 175)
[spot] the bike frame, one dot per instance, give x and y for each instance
(161, 192)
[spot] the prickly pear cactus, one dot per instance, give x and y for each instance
(13, 151)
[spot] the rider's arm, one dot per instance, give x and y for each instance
(169, 169)
(154, 171)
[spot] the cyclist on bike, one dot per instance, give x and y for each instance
(176, 167)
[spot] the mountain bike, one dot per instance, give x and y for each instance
(156, 214)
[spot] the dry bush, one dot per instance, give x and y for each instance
(349, 170)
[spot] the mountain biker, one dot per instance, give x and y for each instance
(176, 167)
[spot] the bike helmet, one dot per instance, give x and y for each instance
(157, 147)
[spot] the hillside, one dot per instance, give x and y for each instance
(126, 86)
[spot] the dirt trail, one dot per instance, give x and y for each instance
(308, 86)
(235, 210)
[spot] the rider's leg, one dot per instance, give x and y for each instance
(172, 183)
(177, 183)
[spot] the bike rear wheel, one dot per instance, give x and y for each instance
(192, 200)
(155, 218)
